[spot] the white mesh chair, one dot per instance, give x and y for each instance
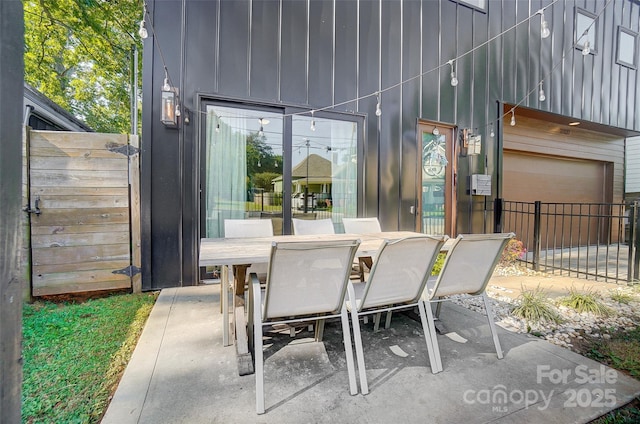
(362, 226)
(466, 271)
(397, 281)
(306, 281)
(312, 226)
(246, 228)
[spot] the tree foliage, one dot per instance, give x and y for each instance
(260, 156)
(78, 53)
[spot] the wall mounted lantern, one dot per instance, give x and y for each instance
(169, 102)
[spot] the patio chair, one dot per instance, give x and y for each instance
(362, 226)
(466, 271)
(312, 226)
(246, 228)
(306, 281)
(397, 281)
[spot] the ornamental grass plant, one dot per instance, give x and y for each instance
(586, 301)
(534, 306)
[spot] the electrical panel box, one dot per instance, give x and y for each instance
(480, 185)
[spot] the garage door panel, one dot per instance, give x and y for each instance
(528, 178)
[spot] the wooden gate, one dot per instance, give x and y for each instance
(82, 201)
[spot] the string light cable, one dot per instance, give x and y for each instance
(450, 63)
(548, 74)
(403, 82)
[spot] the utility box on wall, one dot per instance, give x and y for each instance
(480, 185)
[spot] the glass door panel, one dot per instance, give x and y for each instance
(436, 204)
(243, 167)
(324, 169)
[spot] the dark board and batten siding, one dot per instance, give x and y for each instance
(322, 52)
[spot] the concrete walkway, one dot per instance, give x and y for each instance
(180, 373)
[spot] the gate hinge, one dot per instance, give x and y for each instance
(129, 271)
(125, 149)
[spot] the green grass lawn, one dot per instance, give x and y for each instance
(621, 352)
(74, 354)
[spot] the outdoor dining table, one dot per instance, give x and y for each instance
(240, 253)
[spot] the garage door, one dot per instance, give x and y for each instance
(530, 177)
(571, 182)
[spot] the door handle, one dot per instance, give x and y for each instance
(35, 210)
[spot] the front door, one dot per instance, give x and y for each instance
(436, 191)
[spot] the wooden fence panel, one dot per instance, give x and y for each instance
(80, 232)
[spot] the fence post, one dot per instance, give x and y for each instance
(497, 215)
(537, 223)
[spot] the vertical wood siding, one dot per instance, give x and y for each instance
(316, 53)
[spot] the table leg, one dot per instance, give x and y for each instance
(244, 358)
(224, 293)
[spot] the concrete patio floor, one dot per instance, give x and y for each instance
(181, 373)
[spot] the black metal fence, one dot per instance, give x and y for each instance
(590, 240)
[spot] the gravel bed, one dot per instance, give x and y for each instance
(574, 325)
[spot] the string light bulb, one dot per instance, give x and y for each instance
(177, 110)
(454, 80)
(313, 122)
(378, 110)
(513, 118)
(435, 131)
(261, 131)
(586, 49)
(142, 31)
(541, 96)
(492, 134)
(544, 26)
(218, 127)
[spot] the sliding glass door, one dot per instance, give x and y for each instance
(246, 151)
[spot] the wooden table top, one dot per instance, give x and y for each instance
(239, 251)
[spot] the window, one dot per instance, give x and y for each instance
(474, 4)
(586, 22)
(245, 155)
(627, 47)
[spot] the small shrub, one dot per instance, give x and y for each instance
(513, 251)
(534, 306)
(586, 302)
(621, 297)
